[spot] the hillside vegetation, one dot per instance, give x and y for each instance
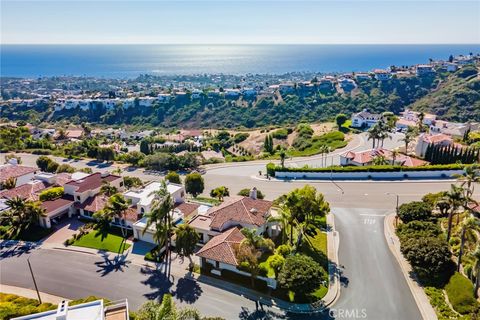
(456, 99)
(451, 96)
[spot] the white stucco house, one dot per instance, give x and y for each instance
(365, 119)
(143, 199)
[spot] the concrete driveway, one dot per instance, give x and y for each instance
(64, 230)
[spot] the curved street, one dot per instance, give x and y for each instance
(373, 286)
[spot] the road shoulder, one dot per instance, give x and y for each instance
(423, 303)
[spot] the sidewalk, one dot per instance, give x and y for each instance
(31, 294)
(423, 303)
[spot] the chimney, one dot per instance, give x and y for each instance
(62, 310)
(253, 193)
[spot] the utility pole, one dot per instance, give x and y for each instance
(34, 282)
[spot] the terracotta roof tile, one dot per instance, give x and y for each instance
(93, 204)
(8, 171)
(56, 204)
(27, 191)
(187, 208)
(222, 247)
(93, 181)
(239, 210)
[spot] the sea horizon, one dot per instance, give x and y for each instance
(131, 60)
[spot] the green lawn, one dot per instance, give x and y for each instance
(110, 243)
(315, 246)
(212, 201)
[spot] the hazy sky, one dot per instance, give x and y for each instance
(229, 21)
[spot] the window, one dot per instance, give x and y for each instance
(217, 264)
(78, 198)
(121, 184)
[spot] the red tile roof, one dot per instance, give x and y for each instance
(8, 171)
(93, 204)
(239, 210)
(93, 181)
(437, 138)
(366, 157)
(187, 208)
(27, 191)
(222, 247)
(52, 205)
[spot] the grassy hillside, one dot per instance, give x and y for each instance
(456, 99)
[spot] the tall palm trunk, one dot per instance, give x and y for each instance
(450, 218)
(477, 282)
(462, 245)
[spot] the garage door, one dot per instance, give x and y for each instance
(147, 237)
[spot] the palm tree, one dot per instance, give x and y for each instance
(285, 220)
(469, 178)
(476, 268)
(116, 207)
(21, 215)
(380, 161)
(421, 116)
(160, 217)
(395, 154)
(251, 238)
(108, 189)
(455, 199)
(469, 224)
(409, 137)
(283, 155)
(373, 134)
(186, 241)
(166, 310)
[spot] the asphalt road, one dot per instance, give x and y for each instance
(372, 282)
(371, 279)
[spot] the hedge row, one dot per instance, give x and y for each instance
(271, 168)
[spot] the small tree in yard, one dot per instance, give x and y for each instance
(247, 257)
(173, 177)
(194, 184)
(220, 193)
(187, 239)
(415, 211)
(340, 119)
(301, 274)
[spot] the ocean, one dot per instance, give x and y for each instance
(128, 61)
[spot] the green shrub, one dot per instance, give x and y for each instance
(65, 168)
(280, 134)
(51, 194)
(430, 259)
(12, 306)
(241, 136)
(283, 250)
(263, 269)
(418, 229)
(271, 169)
(460, 294)
(437, 300)
(415, 211)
